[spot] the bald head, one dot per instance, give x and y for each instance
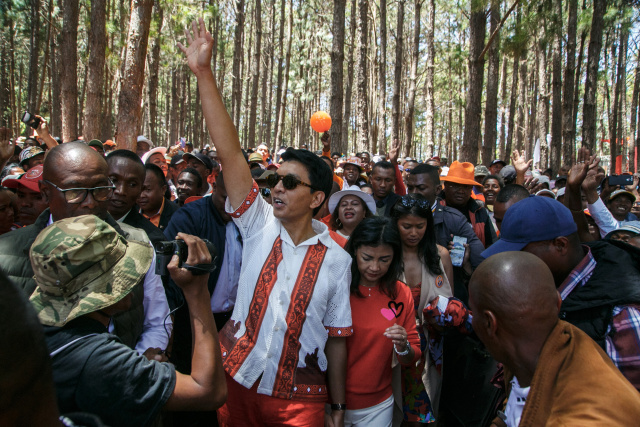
(518, 287)
(74, 165)
(68, 155)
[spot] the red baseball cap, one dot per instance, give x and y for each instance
(28, 180)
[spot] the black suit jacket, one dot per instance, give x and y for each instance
(167, 213)
(135, 219)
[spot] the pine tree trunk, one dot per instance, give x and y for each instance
(591, 83)
(493, 76)
(154, 77)
(255, 75)
(348, 91)
(69, 80)
(473, 109)
(556, 86)
(411, 91)
(362, 76)
(236, 86)
(429, 79)
(129, 118)
(634, 114)
(338, 137)
(512, 107)
(577, 85)
(95, 73)
(34, 51)
(285, 83)
(382, 80)
(543, 104)
(397, 76)
(568, 127)
(522, 102)
(503, 111)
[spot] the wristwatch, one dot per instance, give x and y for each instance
(404, 353)
(338, 406)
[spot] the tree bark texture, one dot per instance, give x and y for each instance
(473, 109)
(154, 73)
(255, 75)
(69, 80)
(95, 71)
(362, 76)
(382, 79)
(236, 99)
(129, 109)
(338, 139)
(568, 126)
(397, 76)
(591, 84)
(556, 86)
(413, 75)
(429, 79)
(493, 77)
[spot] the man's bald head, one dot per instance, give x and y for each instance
(517, 286)
(74, 165)
(66, 155)
(514, 302)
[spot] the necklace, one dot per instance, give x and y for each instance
(369, 288)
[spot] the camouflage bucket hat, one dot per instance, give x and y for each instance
(82, 265)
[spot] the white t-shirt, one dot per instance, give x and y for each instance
(515, 404)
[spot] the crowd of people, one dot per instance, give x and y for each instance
(279, 286)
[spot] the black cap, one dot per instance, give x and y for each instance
(176, 159)
(205, 160)
(496, 161)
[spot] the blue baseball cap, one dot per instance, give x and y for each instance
(533, 219)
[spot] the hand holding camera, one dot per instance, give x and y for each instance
(189, 257)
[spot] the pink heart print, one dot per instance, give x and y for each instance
(388, 313)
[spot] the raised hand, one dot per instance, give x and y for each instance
(532, 185)
(6, 146)
(519, 162)
(199, 47)
(394, 152)
(326, 141)
(578, 171)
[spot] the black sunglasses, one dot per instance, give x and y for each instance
(409, 202)
(289, 182)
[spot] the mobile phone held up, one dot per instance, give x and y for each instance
(457, 253)
(31, 120)
(621, 180)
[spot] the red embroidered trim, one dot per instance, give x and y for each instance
(308, 391)
(296, 315)
(248, 201)
(339, 332)
(257, 310)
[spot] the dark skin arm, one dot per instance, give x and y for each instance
(521, 165)
(573, 196)
(336, 351)
(206, 388)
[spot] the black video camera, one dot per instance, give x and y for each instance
(31, 120)
(167, 249)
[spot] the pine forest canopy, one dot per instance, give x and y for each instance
(470, 79)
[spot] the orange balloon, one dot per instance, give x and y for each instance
(320, 121)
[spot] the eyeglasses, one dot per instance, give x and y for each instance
(77, 195)
(266, 192)
(409, 202)
(289, 182)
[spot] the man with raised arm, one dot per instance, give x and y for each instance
(292, 313)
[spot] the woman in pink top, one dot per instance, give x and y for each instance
(383, 318)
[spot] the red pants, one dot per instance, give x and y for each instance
(245, 407)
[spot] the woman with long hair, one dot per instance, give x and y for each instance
(383, 318)
(428, 273)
